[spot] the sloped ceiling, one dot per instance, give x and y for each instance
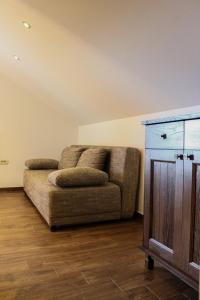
(98, 60)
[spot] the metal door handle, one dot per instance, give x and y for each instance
(179, 156)
(190, 156)
(163, 136)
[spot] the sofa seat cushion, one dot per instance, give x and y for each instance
(56, 202)
(78, 177)
(70, 157)
(93, 158)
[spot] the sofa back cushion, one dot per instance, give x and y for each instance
(70, 157)
(93, 158)
(122, 166)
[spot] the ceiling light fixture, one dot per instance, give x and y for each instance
(16, 57)
(26, 24)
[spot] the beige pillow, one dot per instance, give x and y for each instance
(41, 164)
(70, 157)
(93, 158)
(78, 177)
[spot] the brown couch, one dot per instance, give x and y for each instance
(75, 205)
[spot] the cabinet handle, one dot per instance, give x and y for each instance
(179, 156)
(190, 156)
(163, 136)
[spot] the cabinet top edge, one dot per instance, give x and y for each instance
(175, 118)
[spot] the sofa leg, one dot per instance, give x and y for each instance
(53, 228)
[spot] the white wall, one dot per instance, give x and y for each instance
(28, 129)
(125, 132)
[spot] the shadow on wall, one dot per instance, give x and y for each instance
(154, 43)
(125, 60)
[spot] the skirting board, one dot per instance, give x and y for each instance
(12, 189)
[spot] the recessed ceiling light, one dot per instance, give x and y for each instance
(26, 25)
(16, 57)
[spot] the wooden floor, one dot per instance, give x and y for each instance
(98, 262)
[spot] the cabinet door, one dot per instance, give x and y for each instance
(163, 204)
(191, 212)
(192, 134)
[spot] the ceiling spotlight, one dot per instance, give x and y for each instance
(26, 24)
(16, 57)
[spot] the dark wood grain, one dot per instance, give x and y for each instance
(173, 269)
(94, 262)
(174, 133)
(163, 202)
(196, 253)
(191, 212)
(163, 220)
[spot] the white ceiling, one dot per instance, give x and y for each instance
(98, 60)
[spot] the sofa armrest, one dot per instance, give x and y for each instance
(41, 164)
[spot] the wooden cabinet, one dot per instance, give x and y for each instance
(172, 197)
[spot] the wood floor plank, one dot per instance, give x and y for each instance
(90, 262)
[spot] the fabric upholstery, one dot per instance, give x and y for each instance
(78, 177)
(123, 168)
(71, 205)
(70, 157)
(61, 206)
(93, 158)
(41, 163)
